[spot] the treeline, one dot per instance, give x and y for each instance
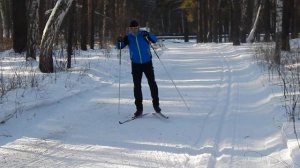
(38, 24)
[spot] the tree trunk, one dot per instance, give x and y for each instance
(214, 25)
(286, 14)
(103, 33)
(205, 20)
(84, 25)
(91, 9)
(247, 20)
(220, 27)
(111, 27)
(71, 14)
(267, 20)
(1, 24)
(42, 17)
(5, 17)
(236, 20)
(293, 19)
(186, 27)
(19, 25)
(277, 55)
(33, 28)
(250, 38)
(199, 22)
(50, 32)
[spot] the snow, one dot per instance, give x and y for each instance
(71, 118)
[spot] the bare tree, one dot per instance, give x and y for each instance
(49, 34)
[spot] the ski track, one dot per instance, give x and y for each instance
(209, 135)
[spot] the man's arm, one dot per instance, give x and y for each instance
(149, 36)
(122, 42)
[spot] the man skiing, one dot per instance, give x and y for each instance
(141, 62)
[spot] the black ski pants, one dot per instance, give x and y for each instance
(137, 74)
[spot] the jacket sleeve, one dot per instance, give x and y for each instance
(152, 38)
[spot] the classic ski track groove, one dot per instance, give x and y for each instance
(226, 78)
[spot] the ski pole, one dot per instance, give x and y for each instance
(170, 77)
(120, 44)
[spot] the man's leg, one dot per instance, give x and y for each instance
(137, 74)
(149, 72)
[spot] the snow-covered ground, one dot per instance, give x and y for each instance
(71, 118)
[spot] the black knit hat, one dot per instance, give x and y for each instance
(134, 23)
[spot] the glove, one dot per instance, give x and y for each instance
(120, 39)
(145, 34)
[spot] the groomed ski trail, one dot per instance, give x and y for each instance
(223, 87)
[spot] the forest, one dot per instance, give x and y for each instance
(39, 25)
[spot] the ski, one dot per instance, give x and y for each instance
(161, 115)
(132, 118)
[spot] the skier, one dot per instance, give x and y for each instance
(141, 62)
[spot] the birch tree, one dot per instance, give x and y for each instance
(33, 28)
(4, 18)
(52, 26)
(250, 38)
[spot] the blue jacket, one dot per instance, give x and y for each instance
(139, 47)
